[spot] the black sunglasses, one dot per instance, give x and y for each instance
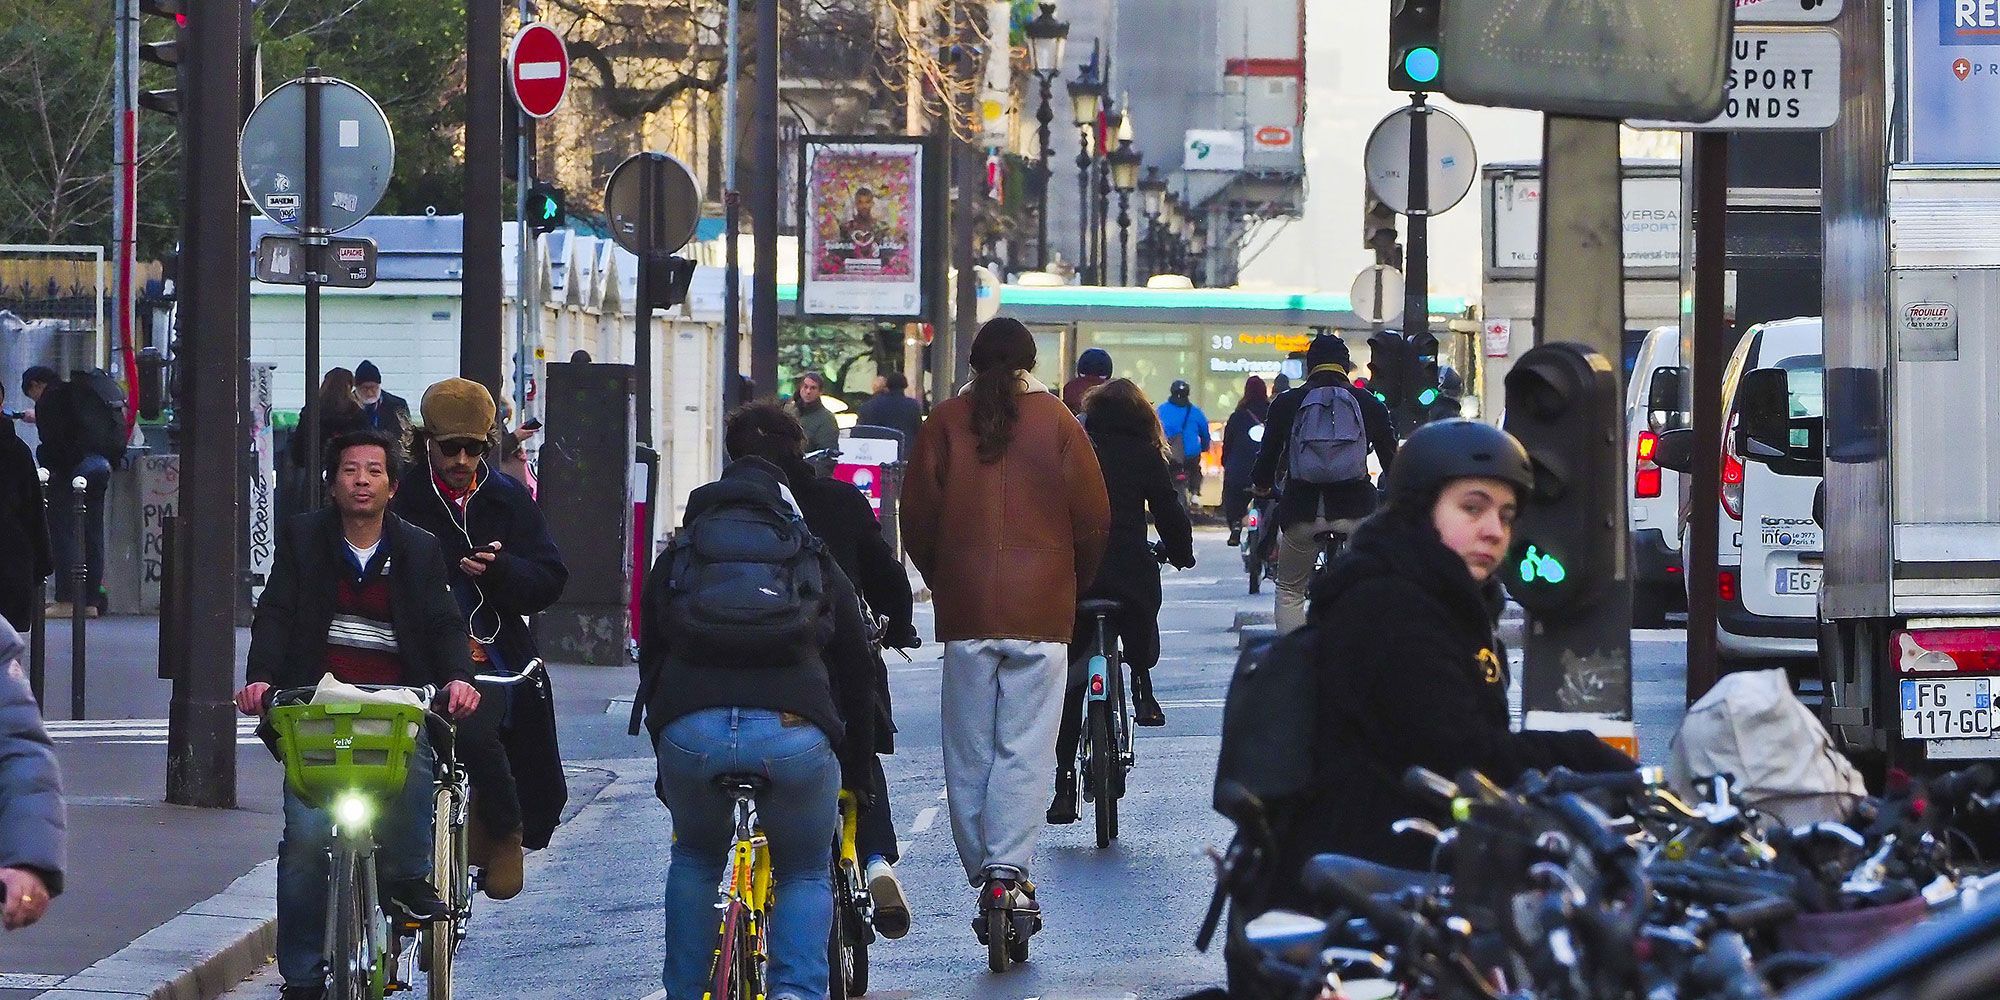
(456, 448)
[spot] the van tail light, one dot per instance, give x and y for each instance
(1947, 650)
(1732, 473)
(1725, 585)
(1646, 481)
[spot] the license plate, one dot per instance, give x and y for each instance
(1959, 708)
(1797, 581)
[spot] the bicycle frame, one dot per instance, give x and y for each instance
(744, 896)
(1107, 683)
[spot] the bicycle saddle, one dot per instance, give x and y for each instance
(1353, 876)
(1099, 606)
(745, 784)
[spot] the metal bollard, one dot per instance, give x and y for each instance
(38, 632)
(79, 603)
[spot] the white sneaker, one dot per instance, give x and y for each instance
(892, 911)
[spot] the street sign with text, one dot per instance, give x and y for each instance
(538, 70)
(1780, 79)
(1589, 58)
(342, 262)
(1786, 11)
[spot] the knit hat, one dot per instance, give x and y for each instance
(458, 409)
(1096, 361)
(38, 373)
(1328, 349)
(367, 372)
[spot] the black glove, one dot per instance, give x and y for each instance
(1183, 561)
(903, 636)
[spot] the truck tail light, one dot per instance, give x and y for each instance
(1732, 473)
(1646, 481)
(1725, 585)
(1947, 650)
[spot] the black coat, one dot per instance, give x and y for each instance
(1239, 449)
(1410, 674)
(894, 411)
(1299, 502)
(527, 577)
(61, 433)
(288, 633)
(845, 521)
(1136, 480)
(24, 533)
(392, 415)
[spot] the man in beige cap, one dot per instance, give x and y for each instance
(503, 567)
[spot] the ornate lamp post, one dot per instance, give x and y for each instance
(1047, 38)
(1170, 226)
(1125, 162)
(1198, 253)
(1152, 198)
(1086, 100)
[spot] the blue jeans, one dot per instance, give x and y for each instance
(62, 526)
(798, 812)
(403, 851)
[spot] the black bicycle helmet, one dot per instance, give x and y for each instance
(1180, 388)
(1445, 450)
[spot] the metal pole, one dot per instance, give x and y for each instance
(642, 307)
(125, 171)
(1044, 116)
(1083, 206)
(968, 166)
(523, 255)
(79, 580)
(38, 638)
(1711, 349)
(480, 340)
(313, 242)
(1098, 230)
(1416, 292)
(764, 207)
(1124, 237)
(732, 224)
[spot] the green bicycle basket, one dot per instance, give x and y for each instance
(339, 747)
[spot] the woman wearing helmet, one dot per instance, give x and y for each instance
(1410, 671)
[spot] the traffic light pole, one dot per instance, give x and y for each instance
(524, 257)
(480, 340)
(1578, 669)
(314, 242)
(1416, 288)
(1710, 344)
(764, 196)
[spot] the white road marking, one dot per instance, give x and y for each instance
(924, 820)
(655, 995)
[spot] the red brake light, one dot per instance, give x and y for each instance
(1648, 442)
(1725, 584)
(1097, 685)
(1732, 473)
(1646, 480)
(1947, 650)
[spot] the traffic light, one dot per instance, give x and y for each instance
(1415, 60)
(166, 101)
(1386, 364)
(545, 208)
(1378, 231)
(1563, 404)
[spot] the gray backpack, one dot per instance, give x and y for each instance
(1329, 440)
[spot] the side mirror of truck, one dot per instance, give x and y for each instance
(1663, 399)
(1764, 415)
(1675, 450)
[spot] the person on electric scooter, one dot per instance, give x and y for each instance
(1410, 672)
(1133, 454)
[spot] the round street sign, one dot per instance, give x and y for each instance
(357, 155)
(538, 70)
(1377, 295)
(675, 208)
(1454, 164)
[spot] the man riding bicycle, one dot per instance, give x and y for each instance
(1317, 437)
(357, 593)
(1186, 428)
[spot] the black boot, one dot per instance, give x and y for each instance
(1235, 533)
(1062, 810)
(1146, 708)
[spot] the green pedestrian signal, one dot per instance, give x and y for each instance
(1542, 566)
(1421, 64)
(545, 208)
(1427, 397)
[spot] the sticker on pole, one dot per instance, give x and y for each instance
(538, 70)
(357, 155)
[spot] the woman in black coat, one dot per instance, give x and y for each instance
(1410, 672)
(1241, 438)
(24, 533)
(1133, 453)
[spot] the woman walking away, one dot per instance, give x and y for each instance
(1133, 454)
(1241, 438)
(1004, 513)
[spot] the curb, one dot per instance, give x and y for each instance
(1254, 634)
(200, 954)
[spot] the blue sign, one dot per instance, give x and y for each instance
(1954, 81)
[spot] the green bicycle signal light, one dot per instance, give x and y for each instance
(1421, 64)
(1384, 397)
(1542, 566)
(1427, 397)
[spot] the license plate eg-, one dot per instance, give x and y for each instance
(1797, 581)
(1957, 708)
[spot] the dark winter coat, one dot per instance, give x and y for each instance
(391, 415)
(1136, 480)
(288, 632)
(526, 577)
(1075, 389)
(1300, 502)
(33, 823)
(894, 411)
(24, 533)
(62, 448)
(822, 430)
(1239, 450)
(1410, 674)
(844, 520)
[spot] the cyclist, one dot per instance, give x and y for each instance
(840, 516)
(1093, 368)
(1187, 433)
(1410, 671)
(725, 691)
(357, 593)
(1133, 455)
(1317, 437)
(1004, 513)
(1241, 437)
(503, 567)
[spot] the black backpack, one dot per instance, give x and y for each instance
(98, 403)
(1268, 719)
(747, 586)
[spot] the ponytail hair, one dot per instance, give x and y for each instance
(1002, 348)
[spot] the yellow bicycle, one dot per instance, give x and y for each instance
(853, 911)
(745, 899)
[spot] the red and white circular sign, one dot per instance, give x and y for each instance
(538, 68)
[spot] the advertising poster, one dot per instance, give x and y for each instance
(863, 242)
(1952, 81)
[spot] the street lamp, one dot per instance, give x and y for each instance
(1125, 161)
(1152, 198)
(1086, 100)
(1047, 38)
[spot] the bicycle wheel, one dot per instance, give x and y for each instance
(836, 952)
(1103, 761)
(349, 963)
(998, 955)
(749, 962)
(440, 939)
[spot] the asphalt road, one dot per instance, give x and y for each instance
(1120, 923)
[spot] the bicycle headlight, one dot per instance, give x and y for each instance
(352, 811)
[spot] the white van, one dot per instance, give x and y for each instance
(1770, 546)
(1655, 504)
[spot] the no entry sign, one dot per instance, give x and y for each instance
(538, 68)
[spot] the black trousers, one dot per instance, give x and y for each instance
(495, 797)
(875, 835)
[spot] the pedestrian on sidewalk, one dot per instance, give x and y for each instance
(842, 519)
(822, 431)
(33, 824)
(24, 533)
(339, 414)
(1005, 514)
(381, 410)
(503, 567)
(892, 406)
(358, 593)
(753, 659)
(64, 415)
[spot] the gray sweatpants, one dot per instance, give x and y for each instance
(1002, 700)
(1298, 550)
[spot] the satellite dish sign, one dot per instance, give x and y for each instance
(1590, 58)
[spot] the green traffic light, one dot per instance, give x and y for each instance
(548, 208)
(1382, 396)
(1421, 64)
(1427, 397)
(1541, 565)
